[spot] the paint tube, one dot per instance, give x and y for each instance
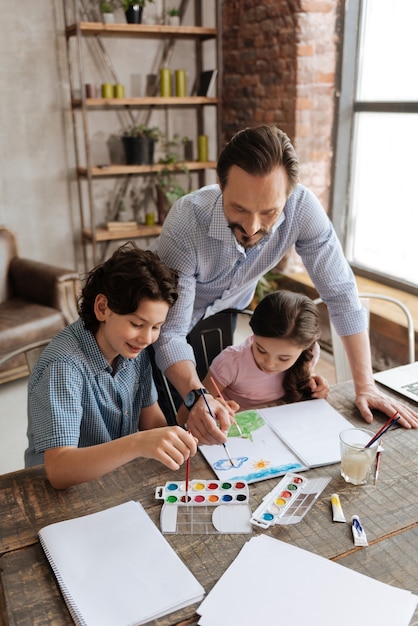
(359, 535)
(337, 512)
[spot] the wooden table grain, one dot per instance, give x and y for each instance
(29, 594)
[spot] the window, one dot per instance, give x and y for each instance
(375, 204)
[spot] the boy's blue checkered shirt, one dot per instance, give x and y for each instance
(76, 399)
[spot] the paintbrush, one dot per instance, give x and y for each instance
(376, 472)
(233, 420)
(391, 421)
(214, 418)
(188, 473)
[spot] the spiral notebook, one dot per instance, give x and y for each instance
(115, 568)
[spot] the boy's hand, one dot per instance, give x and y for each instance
(171, 445)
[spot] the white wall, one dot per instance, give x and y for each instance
(36, 150)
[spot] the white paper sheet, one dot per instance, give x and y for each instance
(273, 582)
(115, 568)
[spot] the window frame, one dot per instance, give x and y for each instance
(348, 107)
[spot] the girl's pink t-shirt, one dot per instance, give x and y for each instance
(236, 370)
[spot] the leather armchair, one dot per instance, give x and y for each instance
(36, 301)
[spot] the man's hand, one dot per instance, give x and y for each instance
(372, 398)
(204, 427)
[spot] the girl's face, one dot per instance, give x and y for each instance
(273, 354)
(128, 335)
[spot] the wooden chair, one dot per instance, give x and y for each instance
(31, 352)
(208, 338)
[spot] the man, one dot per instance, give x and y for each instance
(222, 238)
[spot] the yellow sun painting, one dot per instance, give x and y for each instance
(261, 464)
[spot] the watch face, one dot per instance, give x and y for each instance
(190, 399)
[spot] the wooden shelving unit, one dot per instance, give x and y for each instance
(100, 171)
(150, 30)
(95, 235)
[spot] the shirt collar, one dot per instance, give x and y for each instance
(90, 347)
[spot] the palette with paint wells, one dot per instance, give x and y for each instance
(289, 501)
(209, 506)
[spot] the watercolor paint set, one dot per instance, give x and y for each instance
(209, 506)
(289, 501)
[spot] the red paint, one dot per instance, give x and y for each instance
(286, 494)
(212, 486)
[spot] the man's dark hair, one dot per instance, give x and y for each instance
(127, 277)
(258, 151)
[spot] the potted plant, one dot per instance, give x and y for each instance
(133, 10)
(173, 16)
(106, 9)
(168, 187)
(139, 142)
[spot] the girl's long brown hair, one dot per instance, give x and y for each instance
(291, 316)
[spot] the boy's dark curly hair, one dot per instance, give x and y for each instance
(291, 316)
(126, 278)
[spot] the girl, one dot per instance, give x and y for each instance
(277, 362)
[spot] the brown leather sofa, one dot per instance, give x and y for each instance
(36, 301)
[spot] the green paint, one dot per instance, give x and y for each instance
(249, 421)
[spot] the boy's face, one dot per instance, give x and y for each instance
(128, 335)
(273, 354)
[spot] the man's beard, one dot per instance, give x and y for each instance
(245, 241)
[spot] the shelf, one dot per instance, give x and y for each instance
(151, 30)
(154, 44)
(95, 103)
(123, 170)
(104, 234)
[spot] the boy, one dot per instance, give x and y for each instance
(92, 403)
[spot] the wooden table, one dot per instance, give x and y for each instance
(29, 595)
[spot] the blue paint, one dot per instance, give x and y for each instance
(268, 472)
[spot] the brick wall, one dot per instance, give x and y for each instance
(280, 62)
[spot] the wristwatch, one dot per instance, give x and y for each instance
(193, 396)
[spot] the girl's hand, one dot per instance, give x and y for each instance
(319, 387)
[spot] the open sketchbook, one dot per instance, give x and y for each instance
(280, 439)
(115, 568)
(293, 586)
